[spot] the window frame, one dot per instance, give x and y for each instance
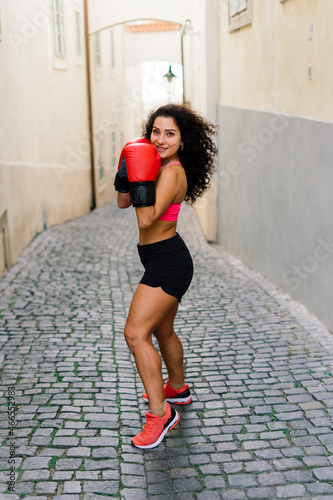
(242, 17)
(100, 152)
(114, 148)
(59, 29)
(238, 9)
(78, 35)
(0, 25)
(4, 242)
(113, 54)
(97, 51)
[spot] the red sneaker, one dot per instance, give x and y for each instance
(156, 428)
(176, 396)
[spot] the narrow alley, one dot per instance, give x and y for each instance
(259, 368)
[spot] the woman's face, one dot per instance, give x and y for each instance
(165, 136)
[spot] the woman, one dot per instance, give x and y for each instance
(183, 141)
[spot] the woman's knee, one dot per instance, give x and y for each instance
(135, 336)
(130, 337)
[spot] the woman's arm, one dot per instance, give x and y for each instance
(124, 200)
(169, 185)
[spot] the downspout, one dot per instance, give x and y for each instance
(90, 116)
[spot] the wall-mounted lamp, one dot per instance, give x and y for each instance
(169, 79)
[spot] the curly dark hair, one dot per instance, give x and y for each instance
(198, 156)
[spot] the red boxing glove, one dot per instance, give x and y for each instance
(121, 182)
(143, 165)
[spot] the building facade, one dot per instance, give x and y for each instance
(275, 182)
(46, 166)
(44, 180)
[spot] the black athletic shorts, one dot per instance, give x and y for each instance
(168, 264)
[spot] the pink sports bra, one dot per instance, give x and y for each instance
(171, 213)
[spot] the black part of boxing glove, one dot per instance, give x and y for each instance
(121, 182)
(142, 193)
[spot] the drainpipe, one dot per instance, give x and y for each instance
(92, 161)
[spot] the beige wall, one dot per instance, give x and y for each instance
(44, 179)
(273, 75)
(275, 167)
(37, 197)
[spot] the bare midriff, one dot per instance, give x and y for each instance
(158, 231)
(162, 229)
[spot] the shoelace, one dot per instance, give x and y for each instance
(147, 427)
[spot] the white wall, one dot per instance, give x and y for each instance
(43, 103)
(201, 61)
(151, 46)
(109, 109)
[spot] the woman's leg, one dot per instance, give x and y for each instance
(171, 348)
(148, 308)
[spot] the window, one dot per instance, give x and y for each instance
(240, 13)
(98, 61)
(0, 26)
(4, 244)
(100, 157)
(113, 152)
(112, 49)
(237, 6)
(78, 34)
(59, 29)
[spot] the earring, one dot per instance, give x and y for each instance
(182, 147)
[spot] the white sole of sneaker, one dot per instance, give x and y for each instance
(175, 401)
(171, 425)
(180, 401)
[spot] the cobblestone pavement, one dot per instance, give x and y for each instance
(260, 370)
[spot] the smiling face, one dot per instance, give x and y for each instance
(165, 136)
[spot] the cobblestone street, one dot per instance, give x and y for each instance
(259, 368)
